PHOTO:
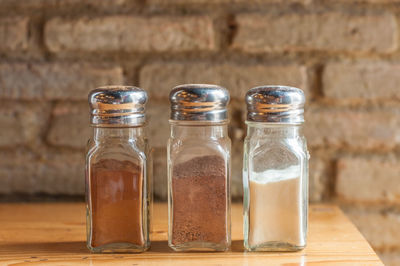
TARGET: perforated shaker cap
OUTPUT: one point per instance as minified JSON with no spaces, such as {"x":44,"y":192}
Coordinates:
{"x":199,"y":102}
{"x":117,"y":106}
{"x":275,"y":104}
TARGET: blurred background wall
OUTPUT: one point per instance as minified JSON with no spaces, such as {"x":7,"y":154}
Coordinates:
{"x":345,"y":55}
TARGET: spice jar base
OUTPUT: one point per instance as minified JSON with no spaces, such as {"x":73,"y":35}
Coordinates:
{"x":200,"y":246}
{"x":274,"y":246}
{"x":118,"y":248}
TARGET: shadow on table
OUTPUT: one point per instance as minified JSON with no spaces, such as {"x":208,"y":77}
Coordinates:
{"x":162,"y":247}
{"x":79,"y":247}
{"x":76,"y":247}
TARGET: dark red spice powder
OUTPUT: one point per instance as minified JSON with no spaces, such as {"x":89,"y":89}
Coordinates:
{"x":199,"y":201}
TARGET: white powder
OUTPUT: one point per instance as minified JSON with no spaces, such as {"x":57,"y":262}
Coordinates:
{"x":275,"y":207}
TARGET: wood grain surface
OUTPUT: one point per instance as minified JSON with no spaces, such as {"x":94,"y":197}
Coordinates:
{"x":55,"y":234}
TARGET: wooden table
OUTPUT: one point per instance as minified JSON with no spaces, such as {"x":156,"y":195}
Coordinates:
{"x":54,"y":234}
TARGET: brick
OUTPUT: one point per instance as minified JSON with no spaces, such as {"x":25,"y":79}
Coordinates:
{"x":236,"y":170}
{"x":247,"y":2}
{"x":390,"y":258}
{"x":22,"y":123}
{"x":236,"y":132}
{"x":102,"y":5}
{"x":160,"y":173}
{"x":328,"y":31}
{"x":361,"y":80}
{"x":53,"y":172}
{"x":367,"y":1}
{"x":61,"y":173}
{"x":70,"y":125}
{"x":54,"y":81}
{"x":160,"y":78}
{"x":14,"y":34}
{"x":46,"y":4}
{"x":16,"y":170}
{"x":158,"y":126}
{"x":380,"y":228}
{"x":127,"y":34}
{"x":369,"y":179}
{"x":318,"y":179}
{"x":354,"y":129}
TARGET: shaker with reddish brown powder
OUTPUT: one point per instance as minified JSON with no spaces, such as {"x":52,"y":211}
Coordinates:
{"x":116,"y":199}
{"x":199,"y":196}
{"x":118,"y":172}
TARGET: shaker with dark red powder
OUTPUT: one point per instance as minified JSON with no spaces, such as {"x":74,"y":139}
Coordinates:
{"x":199,"y":169}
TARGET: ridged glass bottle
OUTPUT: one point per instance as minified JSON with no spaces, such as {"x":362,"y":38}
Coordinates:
{"x":199,"y":169}
{"x":118,"y":172}
{"x":275,"y":170}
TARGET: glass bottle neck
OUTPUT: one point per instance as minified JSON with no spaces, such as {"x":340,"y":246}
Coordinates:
{"x":206,"y":131}
{"x":122,"y":133}
{"x":274,"y":130}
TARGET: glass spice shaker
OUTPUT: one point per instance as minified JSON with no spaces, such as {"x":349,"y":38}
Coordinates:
{"x":199,"y":169}
{"x":118,"y":171}
{"x":275,"y":170}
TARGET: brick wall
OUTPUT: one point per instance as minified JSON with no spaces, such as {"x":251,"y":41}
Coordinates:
{"x":345,"y":55}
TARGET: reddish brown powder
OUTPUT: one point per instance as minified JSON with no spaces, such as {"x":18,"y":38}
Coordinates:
{"x":199,"y":201}
{"x":116,"y":193}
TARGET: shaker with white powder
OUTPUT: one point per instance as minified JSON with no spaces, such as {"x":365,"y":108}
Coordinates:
{"x":275,"y":172}
{"x":275,"y":203}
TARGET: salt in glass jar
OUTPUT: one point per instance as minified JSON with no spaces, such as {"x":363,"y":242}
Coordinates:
{"x":275,"y":170}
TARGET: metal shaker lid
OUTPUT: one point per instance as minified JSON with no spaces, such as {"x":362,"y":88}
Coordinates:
{"x":276,"y":104}
{"x":199,"y":102}
{"x":117,"y":106}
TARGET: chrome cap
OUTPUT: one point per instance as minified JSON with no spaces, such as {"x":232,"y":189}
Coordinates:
{"x":117,"y":106}
{"x":199,"y":102}
{"x":276,"y":104}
